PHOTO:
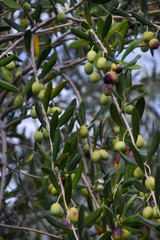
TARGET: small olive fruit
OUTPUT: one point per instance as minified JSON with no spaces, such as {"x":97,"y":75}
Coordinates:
{"x":38,"y":136}
{"x":104,"y":99}
{"x":18,"y":101}
{"x":117,"y":233}
{"x":140,"y":141}
{"x":116,"y":68}
{"x":33,"y":113}
{"x":26,"y":6}
{"x":91,"y":56}
{"x":36,"y":88}
{"x":61,"y":17}
{"x":120,"y":145}
{"x":144,"y":46}
{"x":116,"y":129}
{"x":24,"y":23}
{"x":147,"y":212}
{"x":96,"y":156}
{"x":41,"y":94}
{"x":10,"y":66}
{"x":88,"y":68}
{"x":58,"y":109}
{"x":138,"y":173}
{"x":50,"y":187}
{"x":84,"y":192}
{"x":126,"y":234}
{"x":155,"y":212}
{"x":110,"y":77}
{"x":101,"y":63}
{"x":45,"y":133}
{"x":57,"y":210}
{"x":104,"y":154}
{"x":128,"y":109}
{"x":147,"y":36}
{"x":114,"y":140}
{"x":42,"y":86}
{"x":150,"y":183}
{"x":95,"y":77}
{"x":83,"y":131}
{"x":73,"y":214}
{"x":154,"y":43}
{"x":54,"y":191}
{"x":107,"y":89}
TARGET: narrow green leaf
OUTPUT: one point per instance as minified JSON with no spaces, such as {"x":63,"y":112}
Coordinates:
{"x":101,"y":1}
{"x":87,"y":15}
{"x":47,"y":95}
{"x":129,"y":205}
{"x":52,"y":177}
{"x":132,"y":62}
{"x":110,"y":58}
{"x":143,"y":20}
{"x":90,"y":219}
{"x":120,"y":87}
{"x":123,"y":32}
{"x":43,"y":55}
{"x":79,"y":43}
{"x":6,"y":60}
{"x":27,"y":40}
{"x":121,"y":41}
{"x":120,"y":12}
{"x":44,"y":179}
{"x":48,"y":65}
{"x":102,"y":109}
{"x":53,"y":125}
{"x":150,"y":223}
{"x":40,"y":114}
{"x":106,"y":235}
{"x":133,"y":220}
{"x":100,"y":24}
{"x":58,"y":89}
{"x":8,"y":86}
{"x":12,"y":4}
{"x":54,"y":222}
{"x":6,"y":73}
{"x":77,"y":175}
{"x":73,"y":143}
{"x":135,"y":43}
{"x":81,"y":221}
{"x":28,"y":85}
{"x":127,"y":159}
{"x":140,"y":106}
{"x":68,"y":189}
{"x":82,"y":112}
{"x":135,"y":123}
{"x":154,"y":145}
{"x":138,"y":97}
{"x":157,"y":188}
{"x":66,"y":116}
{"x":43,"y":152}
{"x":37,"y":12}
{"x":80,"y":33}
{"x":137,"y":156}
{"x":14,"y":25}
{"x":116,"y":116}
{"x":4,"y":28}
{"x":106,"y":26}
{"x":75,"y":160}
{"x":56,"y":144}
{"x":144,"y":6}
{"x":117,"y":28}
{"x":61,"y":158}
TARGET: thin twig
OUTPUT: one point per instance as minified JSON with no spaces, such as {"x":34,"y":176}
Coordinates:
{"x":31,"y":230}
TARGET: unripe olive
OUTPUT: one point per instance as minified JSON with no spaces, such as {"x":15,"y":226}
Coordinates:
{"x":50,"y":187}
{"x":61,"y":17}
{"x":58,"y":109}
{"x":42,"y":86}
{"x":117,"y":233}
{"x":128,"y":109}
{"x":120,"y":145}
{"x":86,"y":148}
{"x":24,"y":23}
{"x":96,"y":156}
{"x":150,"y":183}
{"x":140,"y":141}
{"x":54,"y":191}
{"x":147,"y":212}
{"x":18,"y":101}
{"x":33,"y":113}
{"x":36,"y":88}
{"x":147,"y":36}
{"x":84,"y":192}
{"x":95,"y":77}
{"x":99,"y":188}
{"x":116,"y":68}
{"x":49,"y":111}
{"x":101,"y":63}
{"x":116,"y":129}
{"x":83,"y":131}
{"x":114,"y":140}
{"x":104,"y":154}
{"x":144,"y":46}
{"x":138,"y":173}
{"x":41,"y":94}
{"x":155,"y":212}
{"x":73,"y":215}
{"x":126,"y":234}
{"x":88,"y":68}
{"x":57,"y":210}
{"x":10,"y":66}
{"x":110,"y":77}
{"x":91,"y":56}
{"x":104,"y":99}
{"x":38,"y":136}
{"x":154,"y":43}
{"x":45,"y":133}
{"x":26,"y":6}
